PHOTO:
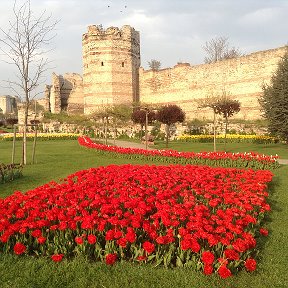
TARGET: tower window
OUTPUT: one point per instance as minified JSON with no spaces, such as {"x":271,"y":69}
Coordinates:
{"x":122,"y":64}
{"x":102,"y":63}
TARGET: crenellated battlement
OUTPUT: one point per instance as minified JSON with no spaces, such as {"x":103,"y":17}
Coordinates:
{"x":97,"y":32}
{"x":111,"y":61}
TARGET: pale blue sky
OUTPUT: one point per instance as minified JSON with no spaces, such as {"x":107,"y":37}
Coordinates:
{"x":170,"y":31}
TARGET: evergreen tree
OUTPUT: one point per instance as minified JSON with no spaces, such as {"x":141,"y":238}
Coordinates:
{"x":274,"y":101}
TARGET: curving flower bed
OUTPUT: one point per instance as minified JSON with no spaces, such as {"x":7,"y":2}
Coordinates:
{"x":223,"y":159}
{"x":200,"y":217}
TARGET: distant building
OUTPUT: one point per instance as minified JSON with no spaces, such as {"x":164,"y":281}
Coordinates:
{"x":8,"y":104}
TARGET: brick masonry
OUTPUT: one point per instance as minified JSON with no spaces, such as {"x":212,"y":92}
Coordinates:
{"x":112,"y":75}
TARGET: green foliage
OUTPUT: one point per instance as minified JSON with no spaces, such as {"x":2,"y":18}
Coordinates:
{"x":65,"y":118}
{"x":10,"y":172}
{"x":156,"y":131}
{"x":195,"y":126}
{"x":224,"y":106}
{"x":125,"y":137}
{"x":121,"y":112}
{"x":11,"y":121}
{"x":274,"y":101}
{"x":170,"y":114}
{"x":139,"y":116}
{"x":227,"y":107}
{"x":35,"y":106}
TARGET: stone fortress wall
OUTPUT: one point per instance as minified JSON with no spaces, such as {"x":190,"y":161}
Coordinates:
{"x":65,"y":94}
{"x":111,"y":61}
{"x":187,"y":86}
{"x":112,"y":75}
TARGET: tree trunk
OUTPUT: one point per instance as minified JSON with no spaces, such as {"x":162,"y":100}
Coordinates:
{"x":103,"y":131}
{"x":24,"y":147}
{"x":106,"y":128}
{"x":115,"y":133}
{"x":167,"y":134}
{"x":141,"y":132}
{"x":225,"y":137}
{"x":13,"y":148}
{"x":214,"y":131}
{"x":34,"y":145}
{"x":146,"y":131}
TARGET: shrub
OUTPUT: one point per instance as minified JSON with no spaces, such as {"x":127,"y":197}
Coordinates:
{"x":10,"y":172}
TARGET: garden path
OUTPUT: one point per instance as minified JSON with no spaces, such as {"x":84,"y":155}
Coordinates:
{"x":128,"y":144}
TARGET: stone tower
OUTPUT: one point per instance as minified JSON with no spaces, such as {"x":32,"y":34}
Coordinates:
{"x":111,"y":61}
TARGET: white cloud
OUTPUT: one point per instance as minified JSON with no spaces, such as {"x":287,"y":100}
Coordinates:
{"x":170,"y":30}
{"x":263,"y":16}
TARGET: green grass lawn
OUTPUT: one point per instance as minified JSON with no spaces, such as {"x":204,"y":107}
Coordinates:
{"x":57,"y":159}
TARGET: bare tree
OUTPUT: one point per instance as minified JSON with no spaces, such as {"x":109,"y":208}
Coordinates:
{"x":154,"y":65}
{"x":23,"y":44}
{"x":218,"y":49}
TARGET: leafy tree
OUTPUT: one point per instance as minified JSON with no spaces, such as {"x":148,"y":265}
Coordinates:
{"x":195,"y":126}
{"x":227,"y":108}
{"x":211,"y":102}
{"x":139,"y":117}
{"x":218,"y":49}
{"x":274,"y":100}
{"x":11,"y":121}
{"x":154,"y":65}
{"x":120,"y":114}
{"x":102,"y":114}
{"x":34,"y":121}
{"x":224,"y":106}
{"x":117,"y":114}
{"x":168,"y":115}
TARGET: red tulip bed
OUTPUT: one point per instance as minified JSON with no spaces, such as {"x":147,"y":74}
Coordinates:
{"x":222,"y":159}
{"x":205,"y":218}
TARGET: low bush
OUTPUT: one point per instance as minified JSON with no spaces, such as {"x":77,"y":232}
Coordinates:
{"x":9,"y":172}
